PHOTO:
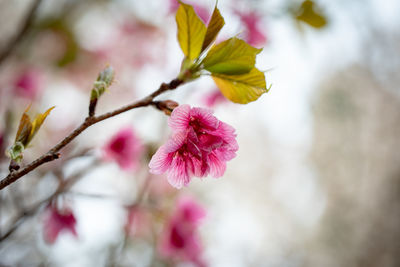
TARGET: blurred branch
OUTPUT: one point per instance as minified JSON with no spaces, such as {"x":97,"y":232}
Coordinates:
{"x":53,"y":153}
{"x":63,"y":186}
{"x":9,"y":48}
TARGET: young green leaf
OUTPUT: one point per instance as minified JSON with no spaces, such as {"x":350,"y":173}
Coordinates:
{"x":232,"y":57}
{"x":242,"y":88}
{"x":309,"y":15}
{"x":37,"y":122}
{"x":24,"y":129}
{"x":214,"y":26}
{"x":104,"y":80}
{"x":191,"y":31}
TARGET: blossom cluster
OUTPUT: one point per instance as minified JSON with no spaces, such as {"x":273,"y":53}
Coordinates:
{"x":200,"y":146}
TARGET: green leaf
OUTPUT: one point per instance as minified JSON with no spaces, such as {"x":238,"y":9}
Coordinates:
{"x":37,"y":122}
{"x":214,"y":26}
{"x":27,"y":129}
{"x":242,"y":88}
{"x":309,"y":15}
{"x":24,"y":129}
{"x":233,"y":56}
{"x":191,"y":31}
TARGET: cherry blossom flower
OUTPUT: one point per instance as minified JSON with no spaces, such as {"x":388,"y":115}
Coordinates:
{"x":28,"y":83}
{"x":125,"y":148}
{"x":57,"y":221}
{"x":180,"y":239}
{"x":200,"y":145}
{"x":251,"y":20}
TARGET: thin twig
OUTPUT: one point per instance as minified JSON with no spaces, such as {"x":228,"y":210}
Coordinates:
{"x":9,"y":48}
{"x":62,"y":188}
{"x":53,"y":153}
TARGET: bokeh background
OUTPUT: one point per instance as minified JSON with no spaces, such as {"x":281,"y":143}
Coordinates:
{"x":316,"y":181}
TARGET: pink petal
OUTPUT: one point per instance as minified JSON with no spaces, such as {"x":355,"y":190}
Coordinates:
{"x":251,"y":21}
{"x":205,"y":118}
{"x":180,"y":239}
{"x":178,"y":173}
{"x":213,"y":98}
{"x":210,"y":142}
{"x":57,"y":221}
{"x":160,"y":162}
{"x":180,"y":117}
{"x":175,"y":142}
{"x":217,"y":166}
{"x":191,"y":211}
{"x":28,"y":84}
{"x":225,"y":153}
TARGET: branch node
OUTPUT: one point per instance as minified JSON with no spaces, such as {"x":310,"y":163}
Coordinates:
{"x":14,"y":166}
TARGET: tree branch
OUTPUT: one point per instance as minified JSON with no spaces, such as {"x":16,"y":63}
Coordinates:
{"x":53,"y":153}
{"x":62,"y":188}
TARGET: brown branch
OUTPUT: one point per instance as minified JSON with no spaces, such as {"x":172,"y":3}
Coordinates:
{"x":9,"y":48}
{"x":53,"y":153}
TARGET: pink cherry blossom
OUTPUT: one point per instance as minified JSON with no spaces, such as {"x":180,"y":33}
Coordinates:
{"x":200,"y":145}
{"x":138,"y":222}
{"x":57,"y":221}
{"x":28,"y":83}
{"x":201,"y":11}
{"x":125,"y":148}
{"x":214,"y":98}
{"x":180,"y":239}
{"x":254,"y":34}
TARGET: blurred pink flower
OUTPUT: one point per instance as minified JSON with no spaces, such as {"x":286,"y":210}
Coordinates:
{"x":201,"y":11}
{"x":213,"y":98}
{"x":28,"y":83}
{"x":125,"y":148}
{"x":200,"y":145}
{"x":133,"y":43}
{"x":138,"y":222}
{"x":56,"y":221}
{"x":180,"y":239}
{"x":251,"y":20}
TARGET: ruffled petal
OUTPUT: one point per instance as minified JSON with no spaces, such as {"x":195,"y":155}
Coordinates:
{"x":175,"y":142}
{"x":180,"y":117}
{"x":205,"y":118}
{"x":217,"y":166}
{"x":178,"y":173}
{"x":160,"y":162}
